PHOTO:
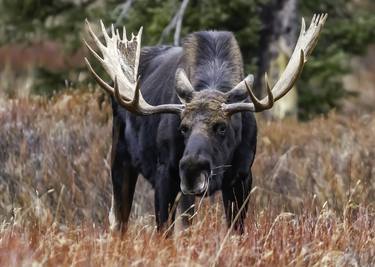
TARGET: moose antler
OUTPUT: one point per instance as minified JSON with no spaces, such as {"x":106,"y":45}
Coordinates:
{"x":305,"y":44}
{"x":121,"y":61}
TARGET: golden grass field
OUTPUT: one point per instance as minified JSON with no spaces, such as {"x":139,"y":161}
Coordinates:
{"x":312,"y":203}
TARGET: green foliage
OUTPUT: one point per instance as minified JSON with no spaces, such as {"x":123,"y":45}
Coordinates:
{"x":348,"y":31}
{"x":48,"y":82}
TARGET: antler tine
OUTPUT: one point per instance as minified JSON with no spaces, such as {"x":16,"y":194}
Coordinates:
{"x":257,"y":103}
{"x":303,"y":27}
{"x":96,"y":39}
{"x":124,"y":38}
{"x":93,"y":51}
{"x":104,"y":32}
{"x":113,"y":31}
{"x":317,"y":19}
{"x":305,"y":44}
{"x":271,"y":99}
{"x":138,"y":38}
{"x":99,"y":80}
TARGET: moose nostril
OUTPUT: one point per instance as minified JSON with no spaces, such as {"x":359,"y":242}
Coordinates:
{"x":204,"y":164}
{"x":194,"y":163}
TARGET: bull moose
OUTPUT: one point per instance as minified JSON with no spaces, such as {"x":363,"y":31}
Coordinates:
{"x":207,"y":140}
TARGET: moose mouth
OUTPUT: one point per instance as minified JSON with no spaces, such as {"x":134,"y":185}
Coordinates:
{"x":199,"y":187}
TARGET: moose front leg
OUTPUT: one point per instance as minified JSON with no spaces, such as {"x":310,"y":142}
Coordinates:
{"x":166,"y":190}
{"x":234,"y":200}
{"x":124,"y":179}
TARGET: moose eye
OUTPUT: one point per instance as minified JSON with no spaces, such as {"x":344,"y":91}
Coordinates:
{"x":220,"y":128}
{"x":184,"y":129}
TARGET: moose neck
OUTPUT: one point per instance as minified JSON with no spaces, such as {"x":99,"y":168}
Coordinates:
{"x":212,"y":60}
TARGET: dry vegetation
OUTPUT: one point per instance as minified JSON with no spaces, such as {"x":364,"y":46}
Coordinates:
{"x":313,"y":202}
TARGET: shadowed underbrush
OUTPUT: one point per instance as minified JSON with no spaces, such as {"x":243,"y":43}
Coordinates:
{"x":312,"y":203}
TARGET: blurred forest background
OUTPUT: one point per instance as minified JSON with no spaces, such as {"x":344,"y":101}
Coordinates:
{"x":313,"y":196}
{"x":41,"y":49}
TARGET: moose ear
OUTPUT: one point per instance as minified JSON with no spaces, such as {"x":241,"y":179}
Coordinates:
{"x":239,"y":92}
{"x":184,"y":89}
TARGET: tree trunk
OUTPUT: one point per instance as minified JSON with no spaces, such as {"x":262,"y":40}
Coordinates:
{"x":278,"y":37}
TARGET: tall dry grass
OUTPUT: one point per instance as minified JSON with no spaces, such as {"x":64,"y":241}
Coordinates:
{"x":312,"y":203}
